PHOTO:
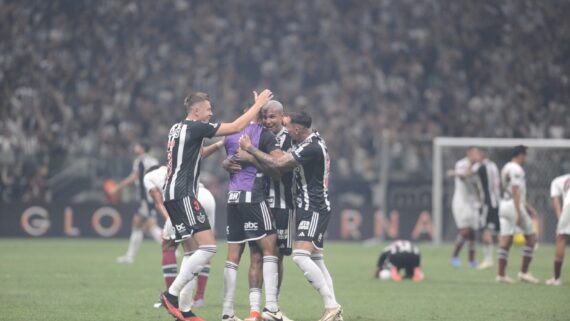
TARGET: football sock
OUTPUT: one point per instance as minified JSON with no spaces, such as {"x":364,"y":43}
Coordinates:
{"x":185,"y":301}
{"x":320,"y":262}
{"x":270,"y":279}
{"x":191,"y":266}
{"x":557,"y":269}
{"x":156,"y":233}
{"x":230,"y":277}
{"x":471,"y":247}
{"x":169,"y":268}
{"x":503,"y":255}
{"x":135,"y":242}
{"x":527,"y":258}
{"x":255,"y":299}
{"x":202,"y":281}
{"x":488,"y":252}
{"x":315,"y":276}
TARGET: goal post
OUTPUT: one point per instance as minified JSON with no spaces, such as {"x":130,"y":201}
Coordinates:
{"x":447,"y":150}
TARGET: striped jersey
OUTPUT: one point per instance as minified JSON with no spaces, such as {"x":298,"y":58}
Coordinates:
{"x":312,"y":175}
{"x":184,"y":149}
{"x":141,"y":164}
{"x":490,"y":179}
{"x":280,"y":193}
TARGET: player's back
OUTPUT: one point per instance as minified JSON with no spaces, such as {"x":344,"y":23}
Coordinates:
{"x":512,"y":174}
{"x":560,"y":187}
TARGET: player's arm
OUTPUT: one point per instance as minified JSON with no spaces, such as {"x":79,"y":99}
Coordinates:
{"x":284,"y":163}
{"x":245,"y":157}
{"x":212,"y":148}
{"x":557,"y":206}
{"x":515,"y":190}
{"x":242,"y":121}
{"x":125,"y":182}
{"x":158,"y":201}
{"x":231,"y":166}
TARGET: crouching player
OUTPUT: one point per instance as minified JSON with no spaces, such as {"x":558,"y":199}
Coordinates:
{"x":399,"y":255}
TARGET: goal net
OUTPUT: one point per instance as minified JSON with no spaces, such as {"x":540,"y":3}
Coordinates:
{"x":547,"y":159}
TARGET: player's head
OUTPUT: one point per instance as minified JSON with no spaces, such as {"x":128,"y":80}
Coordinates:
{"x":198,"y":106}
{"x":519,"y":154}
{"x":140,"y":148}
{"x":473,"y":154}
{"x":273,"y":116}
{"x":298,"y":125}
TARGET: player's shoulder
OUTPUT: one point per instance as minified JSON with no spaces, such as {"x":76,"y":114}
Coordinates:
{"x":560,"y":180}
{"x":463,"y":161}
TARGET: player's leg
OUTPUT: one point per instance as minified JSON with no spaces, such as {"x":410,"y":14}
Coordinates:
{"x":185,"y":302}
{"x":285,"y":225}
{"x":255,"y":277}
{"x":462,"y":236}
{"x":152,"y":227}
{"x":472,"y":245}
{"x":236,"y":243}
{"x":528,"y":249}
{"x":209,"y":203}
{"x":169,"y":267}
{"x":507,"y":223}
{"x":311,"y":227}
{"x":135,"y":240}
{"x":558,"y":259}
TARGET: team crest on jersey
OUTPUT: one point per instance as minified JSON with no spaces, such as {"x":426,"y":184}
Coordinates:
{"x":201,"y":218}
{"x":175,"y":131}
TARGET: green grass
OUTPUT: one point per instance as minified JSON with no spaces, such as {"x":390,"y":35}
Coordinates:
{"x":79,"y":280}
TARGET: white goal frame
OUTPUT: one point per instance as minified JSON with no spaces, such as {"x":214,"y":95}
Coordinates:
{"x":437,"y":180}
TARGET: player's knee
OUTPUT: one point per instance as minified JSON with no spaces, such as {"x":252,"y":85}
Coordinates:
{"x":300,"y":256}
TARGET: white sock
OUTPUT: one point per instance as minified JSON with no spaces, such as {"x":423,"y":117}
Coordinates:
{"x":271,"y":279}
{"x":320,"y":262}
{"x":315,"y":276}
{"x":191,"y":267}
{"x":186,"y":300}
{"x":156,"y":233}
{"x":488,"y":252}
{"x":255,"y":299}
{"x":230,"y":278}
{"x":135,"y":243}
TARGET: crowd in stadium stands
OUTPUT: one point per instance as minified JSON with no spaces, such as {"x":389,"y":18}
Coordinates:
{"x":83,"y":80}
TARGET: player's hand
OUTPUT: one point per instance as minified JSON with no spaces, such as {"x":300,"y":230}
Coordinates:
{"x":113,"y":190}
{"x":243,"y":157}
{"x":262,"y":99}
{"x":244,"y":142}
{"x":231,"y":166}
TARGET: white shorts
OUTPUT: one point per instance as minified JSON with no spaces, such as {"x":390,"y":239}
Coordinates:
{"x":564,"y":221}
{"x":465,"y":216}
{"x":507,"y":217}
{"x":208,"y":203}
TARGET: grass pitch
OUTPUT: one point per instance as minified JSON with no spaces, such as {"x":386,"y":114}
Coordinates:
{"x":56,"y":279}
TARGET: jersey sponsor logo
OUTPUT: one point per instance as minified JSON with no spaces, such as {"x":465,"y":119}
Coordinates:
{"x":180,"y":227}
{"x":233,"y":197}
{"x":304,"y":225}
{"x":250,"y":226}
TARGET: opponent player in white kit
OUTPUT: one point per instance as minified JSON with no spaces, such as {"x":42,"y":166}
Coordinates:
{"x":560,"y":188}
{"x":514,"y":212}
{"x":465,"y":205}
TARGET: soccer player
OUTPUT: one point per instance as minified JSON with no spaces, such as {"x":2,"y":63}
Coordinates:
{"x":188,"y":217}
{"x":514,"y":212}
{"x":560,"y":188}
{"x":464,"y":206}
{"x":145,"y":217}
{"x":397,"y":256}
{"x":310,"y":162}
{"x":250,"y":221}
{"x":490,"y":179}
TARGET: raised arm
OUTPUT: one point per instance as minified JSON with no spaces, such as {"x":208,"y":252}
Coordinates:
{"x":242,"y":121}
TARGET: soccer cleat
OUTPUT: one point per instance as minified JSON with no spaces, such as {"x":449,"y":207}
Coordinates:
{"x":253,"y":316}
{"x":170,"y":302}
{"x":267,"y":315}
{"x":190,"y":316}
{"x":157,"y":305}
{"x":554,"y":282}
{"x":504,"y":279}
{"x":125,"y":259}
{"x":473,"y":264}
{"x":230,"y":318}
{"x":485,"y":265}
{"x":418,"y":274}
{"x":395,"y":274}
{"x":198,"y":303}
{"x":331,"y":314}
{"x":527,"y":278}
{"x":455,"y":262}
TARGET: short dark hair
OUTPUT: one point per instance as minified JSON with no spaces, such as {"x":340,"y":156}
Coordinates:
{"x":519,"y":150}
{"x":301,"y":118}
{"x":195,"y":98}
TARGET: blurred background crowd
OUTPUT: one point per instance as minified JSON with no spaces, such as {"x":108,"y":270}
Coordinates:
{"x":81,"y":81}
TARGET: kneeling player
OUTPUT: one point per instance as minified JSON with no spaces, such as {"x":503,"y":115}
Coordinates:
{"x":400,"y":255}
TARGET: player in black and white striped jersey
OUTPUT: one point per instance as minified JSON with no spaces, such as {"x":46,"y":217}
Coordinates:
{"x":145,"y":217}
{"x":185,"y":142}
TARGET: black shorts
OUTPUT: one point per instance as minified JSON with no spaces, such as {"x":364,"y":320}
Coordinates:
{"x":406,"y":261}
{"x":248,"y":222}
{"x":146,"y":209}
{"x":492,"y":219}
{"x":187,"y":216}
{"x":285,"y":225}
{"x":311,"y":226}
